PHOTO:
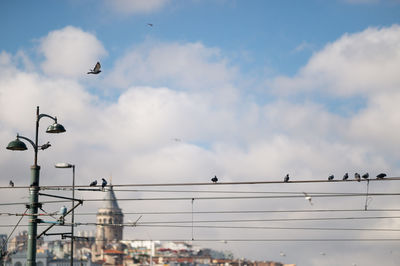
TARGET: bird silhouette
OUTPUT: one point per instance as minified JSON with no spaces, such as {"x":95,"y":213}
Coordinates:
{"x":331,"y":177}
{"x":346,"y":176}
{"x":365,"y":176}
{"x":104,"y":183}
{"x":63,"y":210}
{"x":357,"y":177}
{"x":93,"y":184}
{"x":286,"y":179}
{"x":214,"y":179}
{"x":308,"y":197}
{"x":381,"y":176}
{"x":150,"y":24}
{"x":96,"y":69}
{"x":11,"y":183}
{"x":45,"y":146}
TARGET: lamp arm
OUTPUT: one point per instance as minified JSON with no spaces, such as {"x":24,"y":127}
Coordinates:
{"x":25,"y":138}
{"x":49,"y":116}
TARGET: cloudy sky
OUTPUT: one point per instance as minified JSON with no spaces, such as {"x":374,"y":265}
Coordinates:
{"x":245,"y":90}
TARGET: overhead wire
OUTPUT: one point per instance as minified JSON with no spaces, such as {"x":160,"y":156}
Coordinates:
{"x":213,"y":184}
{"x":218,"y":212}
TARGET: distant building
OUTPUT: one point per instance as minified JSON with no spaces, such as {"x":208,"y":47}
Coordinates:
{"x":109,"y":230}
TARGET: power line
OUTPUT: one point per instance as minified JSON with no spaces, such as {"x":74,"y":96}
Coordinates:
{"x":221,"y":198}
{"x":226,"y":221}
{"x":276,"y":228}
{"x":219,"y":212}
{"x":214,"y":184}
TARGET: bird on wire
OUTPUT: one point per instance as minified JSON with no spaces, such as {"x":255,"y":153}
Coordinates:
{"x":346,"y":176}
{"x":96,"y":69}
{"x":214,"y":179}
{"x":286,"y":179}
{"x":45,"y":146}
{"x":103,"y":183}
{"x":63,"y":210}
{"x":381,"y":176}
{"x":331,"y":177}
{"x":93,"y":184}
{"x":365,"y":176}
{"x":11,"y":183}
{"x":357,"y":177}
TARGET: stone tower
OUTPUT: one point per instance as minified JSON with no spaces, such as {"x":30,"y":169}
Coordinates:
{"x":109,"y":220}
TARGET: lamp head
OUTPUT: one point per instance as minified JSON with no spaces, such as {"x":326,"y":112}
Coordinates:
{"x":55,"y":128}
{"x":16,"y":145}
{"x":63,"y":165}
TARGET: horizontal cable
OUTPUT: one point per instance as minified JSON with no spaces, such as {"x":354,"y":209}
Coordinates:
{"x":218,"y":212}
{"x":275,"y":228}
{"x":215,"y":184}
{"x":242,"y":220}
{"x":222,"y":198}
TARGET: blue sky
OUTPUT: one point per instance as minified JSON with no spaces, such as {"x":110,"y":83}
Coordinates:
{"x":251,"y":89}
{"x":278,"y":34}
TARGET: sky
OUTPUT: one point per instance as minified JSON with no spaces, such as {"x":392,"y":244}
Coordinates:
{"x":245,"y":90}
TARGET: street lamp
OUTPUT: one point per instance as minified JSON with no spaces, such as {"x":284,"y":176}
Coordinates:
{"x":18,"y":145}
{"x":67,"y":165}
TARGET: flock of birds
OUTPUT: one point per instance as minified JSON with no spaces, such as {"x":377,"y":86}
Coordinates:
{"x":103,"y":183}
{"x":357,"y":177}
{"x":286,"y":179}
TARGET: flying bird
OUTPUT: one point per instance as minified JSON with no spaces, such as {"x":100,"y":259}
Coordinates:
{"x":93,"y":184}
{"x":63,"y":210}
{"x":357,"y":177}
{"x":11,"y":183}
{"x":381,"y":176}
{"x":45,"y":146}
{"x":365,"y":176}
{"x":286,"y":179}
{"x":214,"y":179}
{"x":331,"y":177}
{"x":150,"y":24}
{"x":96,"y":69}
{"x":308,"y":197}
{"x":346,"y":176}
{"x":104,"y":183}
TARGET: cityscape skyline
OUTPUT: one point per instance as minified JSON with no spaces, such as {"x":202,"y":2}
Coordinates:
{"x":245,"y":91}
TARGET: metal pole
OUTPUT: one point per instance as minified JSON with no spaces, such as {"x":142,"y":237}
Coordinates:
{"x":33,"y":209}
{"x":73,"y":216}
{"x":33,"y":201}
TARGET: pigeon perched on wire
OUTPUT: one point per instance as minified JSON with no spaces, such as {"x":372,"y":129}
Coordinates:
{"x":365,"y":176}
{"x":346,"y":176}
{"x":331,"y":177}
{"x":93,"y":184}
{"x":63,"y":210}
{"x":357,"y":177}
{"x":286,"y":179}
{"x":45,"y":146}
{"x":96,"y":69}
{"x":214,"y":179}
{"x":381,"y":176}
{"x":103,"y":183}
{"x":11,"y":183}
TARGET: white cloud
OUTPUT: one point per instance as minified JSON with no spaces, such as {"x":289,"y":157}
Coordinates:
{"x":136,"y":6}
{"x":70,"y":52}
{"x":183,"y":66}
{"x":360,"y":63}
{"x":239,"y":139}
